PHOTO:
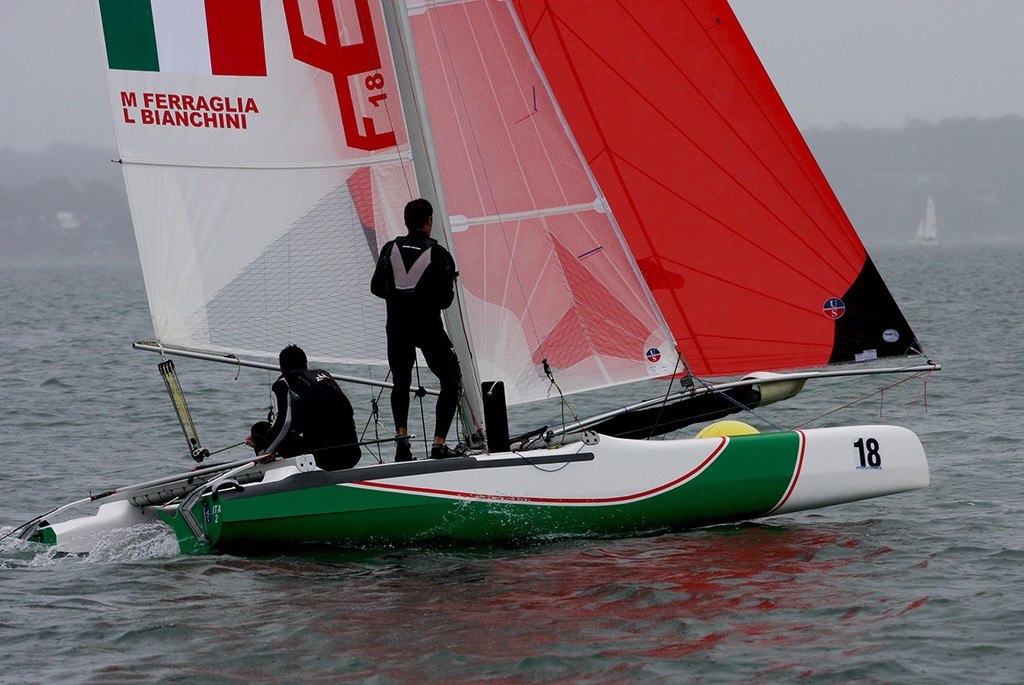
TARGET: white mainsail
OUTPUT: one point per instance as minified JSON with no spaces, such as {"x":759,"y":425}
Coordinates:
{"x":261,"y":231}
{"x":255,"y":235}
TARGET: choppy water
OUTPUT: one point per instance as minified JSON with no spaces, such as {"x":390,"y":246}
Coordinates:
{"x":923,"y":587}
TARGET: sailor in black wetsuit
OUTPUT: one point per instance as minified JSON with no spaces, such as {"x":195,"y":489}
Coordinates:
{"x":416,"y":276}
{"x":313,"y":416}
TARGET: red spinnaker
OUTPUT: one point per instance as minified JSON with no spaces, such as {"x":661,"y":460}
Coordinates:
{"x":733,"y":223}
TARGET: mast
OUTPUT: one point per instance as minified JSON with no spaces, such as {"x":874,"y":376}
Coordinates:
{"x":428,"y":180}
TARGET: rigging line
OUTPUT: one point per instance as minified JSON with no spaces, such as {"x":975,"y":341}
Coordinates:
{"x":264,"y":280}
{"x":544,"y":470}
{"x":357,"y":443}
{"x":461,"y":436}
{"x":668,"y":392}
{"x":486,"y":176}
{"x":364,"y":313}
{"x":859,"y":400}
{"x":565,"y":403}
{"x":374,"y":417}
{"x":420,"y":394}
{"x":225,"y":449}
{"x":742,"y":406}
{"x":403,"y":159}
{"x":922,"y":393}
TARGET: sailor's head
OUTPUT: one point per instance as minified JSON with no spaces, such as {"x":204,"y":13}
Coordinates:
{"x":419,"y":216}
{"x":292,"y":358}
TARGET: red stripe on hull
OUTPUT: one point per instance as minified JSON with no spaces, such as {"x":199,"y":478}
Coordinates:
{"x":553,"y":500}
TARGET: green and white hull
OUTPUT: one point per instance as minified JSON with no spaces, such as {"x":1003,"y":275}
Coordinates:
{"x":608,"y":487}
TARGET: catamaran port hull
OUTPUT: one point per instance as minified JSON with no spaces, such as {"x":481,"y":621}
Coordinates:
{"x":611,"y":487}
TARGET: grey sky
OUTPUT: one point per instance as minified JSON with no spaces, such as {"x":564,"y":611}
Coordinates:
{"x":859,"y":62}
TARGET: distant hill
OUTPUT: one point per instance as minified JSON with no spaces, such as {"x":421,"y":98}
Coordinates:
{"x":69,"y":201}
{"x":78,"y":163}
{"x":974,"y":168}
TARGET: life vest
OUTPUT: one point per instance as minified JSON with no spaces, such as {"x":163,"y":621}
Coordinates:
{"x":406,"y":280}
{"x":318,"y":401}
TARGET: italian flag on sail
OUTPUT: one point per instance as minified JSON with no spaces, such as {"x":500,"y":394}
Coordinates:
{"x":218,"y":37}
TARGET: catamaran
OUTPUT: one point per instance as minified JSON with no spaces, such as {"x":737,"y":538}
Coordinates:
{"x":626,"y":197}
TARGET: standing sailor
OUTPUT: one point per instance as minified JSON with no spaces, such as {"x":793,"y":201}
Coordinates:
{"x":416,"y":277}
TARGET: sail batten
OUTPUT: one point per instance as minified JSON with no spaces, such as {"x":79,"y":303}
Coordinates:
{"x":336,"y":164}
{"x":459,"y":222}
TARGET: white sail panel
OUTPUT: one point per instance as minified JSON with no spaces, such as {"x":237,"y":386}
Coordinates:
{"x":181,"y":35}
{"x":572,"y":306}
{"x":260,"y":202}
{"x":538,"y":254}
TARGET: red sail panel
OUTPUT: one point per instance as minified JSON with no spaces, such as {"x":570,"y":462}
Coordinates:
{"x":546,"y":275}
{"x":734,"y":226}
{"x":613,"y":330}
{"x":236,"y":37}
{"x":501,"y":147}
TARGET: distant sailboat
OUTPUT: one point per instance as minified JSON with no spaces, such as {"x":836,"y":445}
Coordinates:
{"x":927,"y":229}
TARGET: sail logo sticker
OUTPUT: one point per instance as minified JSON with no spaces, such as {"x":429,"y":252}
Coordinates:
{"x":203,"y":37}
{"x":890,"y":335}
{"x":834,"y":308}
{"x":194,"y":111}
{"x":343,"y":62}
{"x":653,"y":355}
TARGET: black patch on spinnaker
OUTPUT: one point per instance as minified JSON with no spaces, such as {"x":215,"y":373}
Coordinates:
{"x":872,"y":321}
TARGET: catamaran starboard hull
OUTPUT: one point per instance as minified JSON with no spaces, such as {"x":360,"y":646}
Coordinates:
{"x":612,"y":487}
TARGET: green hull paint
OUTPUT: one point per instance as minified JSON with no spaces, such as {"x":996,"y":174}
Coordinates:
{"x":746,"y":481}
{"x":44,"y":535}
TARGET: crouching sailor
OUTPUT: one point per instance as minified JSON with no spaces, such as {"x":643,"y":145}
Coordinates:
{"x":313,"y":417}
